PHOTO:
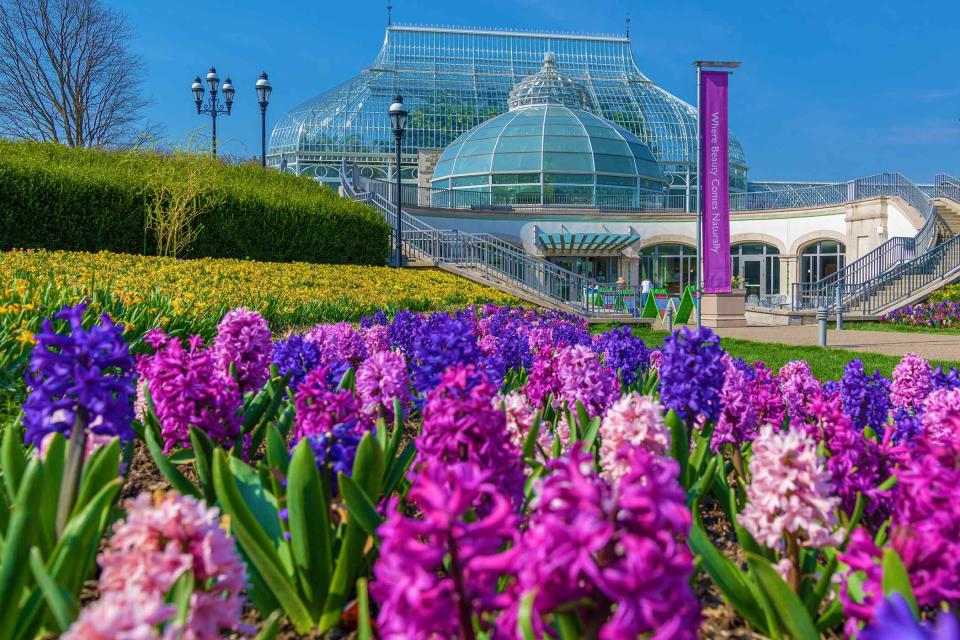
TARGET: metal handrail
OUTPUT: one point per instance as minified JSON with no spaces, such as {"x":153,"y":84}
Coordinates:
{"x":946,"y":186}
{"x":492,"y":257}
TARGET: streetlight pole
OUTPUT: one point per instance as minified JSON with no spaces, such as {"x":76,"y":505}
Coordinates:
{"x":398,"y":119}
{"x":263,"y":99}
{"x":213,"y":106}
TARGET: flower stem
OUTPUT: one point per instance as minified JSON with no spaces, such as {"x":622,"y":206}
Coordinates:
{"x":70,"y":484}
{"x":793,"y":553}
{"x":463,"y":602}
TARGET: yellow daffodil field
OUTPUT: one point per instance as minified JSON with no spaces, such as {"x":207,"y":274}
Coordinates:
{"x":190,"y":296}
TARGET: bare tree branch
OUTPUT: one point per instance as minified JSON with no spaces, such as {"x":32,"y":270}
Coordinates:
{"x":68,"y":73}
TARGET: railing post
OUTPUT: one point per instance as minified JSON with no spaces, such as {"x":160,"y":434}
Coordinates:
{"x":839,"y":308}
{"x":669,"y":314}
{"x":822,"y":326}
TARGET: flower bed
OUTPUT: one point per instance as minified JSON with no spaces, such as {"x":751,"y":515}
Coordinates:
{"x":489,"y":473}
{"x":944,"y":314}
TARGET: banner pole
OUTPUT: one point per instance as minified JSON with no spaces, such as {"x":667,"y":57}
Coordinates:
{"x":699,"y":196}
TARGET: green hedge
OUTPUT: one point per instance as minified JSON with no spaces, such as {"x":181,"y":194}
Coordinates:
{"x":55,"y":197}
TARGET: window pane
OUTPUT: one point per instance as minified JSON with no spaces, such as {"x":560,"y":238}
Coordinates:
{"x":568,"y":178}
{"x":469,"y":181}
{"x":516,"y":178}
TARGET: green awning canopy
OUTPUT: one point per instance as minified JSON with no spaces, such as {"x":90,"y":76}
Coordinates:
{"x":586,"y":242}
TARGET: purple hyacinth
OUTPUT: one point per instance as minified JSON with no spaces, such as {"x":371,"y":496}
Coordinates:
{"x":379,"y":318}
{"x":85,"y":371}
{"x":623,"y":352}
{"x":461,"y":423}
{"x":403,"y":331}
{"x":895,"y":621}
{"x":296,"y":356}
{"x":439,"y":570}
{"x":440,"y":342}
{"x":187,"y":390}
{"x":583,"y":378}
{"x":505,"y":334}
{"x":866,"y":399}
{"x":243,"y":340}
{"x":906,"y":427}
{"x":946,"y":379}
{"x":739,"y":417}
{"x":912,"y":382}
{"x":336,"y":449}
{"x":320,"y":409}
{"x":381,"y":378}
{"x":692,"y":373}
{"x":618,"y":546}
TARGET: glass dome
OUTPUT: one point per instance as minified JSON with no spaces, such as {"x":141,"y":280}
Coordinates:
{"x":549,"y":150}
{"x":453,"y":79}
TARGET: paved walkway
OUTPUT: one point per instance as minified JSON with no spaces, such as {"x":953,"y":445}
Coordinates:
{"x":932,"y":346}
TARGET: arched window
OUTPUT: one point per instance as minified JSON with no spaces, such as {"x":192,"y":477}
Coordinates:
{"x":670,"y":266}
{"x":821,"y":259}
{"x":759,"y":266}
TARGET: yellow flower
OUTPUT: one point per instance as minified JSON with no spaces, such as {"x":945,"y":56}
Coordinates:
{"x":26,"y":338}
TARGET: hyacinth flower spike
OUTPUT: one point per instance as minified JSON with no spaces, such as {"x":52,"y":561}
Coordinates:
{"x":79,"y":382}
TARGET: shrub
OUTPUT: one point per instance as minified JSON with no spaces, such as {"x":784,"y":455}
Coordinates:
{"x":54,"y":197}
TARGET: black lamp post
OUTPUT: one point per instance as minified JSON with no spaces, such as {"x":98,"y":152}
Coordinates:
{"x":398,"y":119}
{"x":213,"y":106}
{"x":263,"y":98}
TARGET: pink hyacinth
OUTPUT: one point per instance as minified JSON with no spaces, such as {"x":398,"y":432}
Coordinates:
{"x":519,"y":414}
{"x":164,"y":536}
{"x":583,"y":378}
{"x":656,"y":359}
{"x":187,"y":389}
{"x":243,"y":340}
{"x":940,"y":422}
{"x":912,"y":382}
{"x":790,"y":491}
{"x":130,"y":615}
{"x":635,"y":420}
{"x":380,"y":379}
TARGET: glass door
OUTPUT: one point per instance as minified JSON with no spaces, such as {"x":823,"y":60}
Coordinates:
{"x":753,"y":276}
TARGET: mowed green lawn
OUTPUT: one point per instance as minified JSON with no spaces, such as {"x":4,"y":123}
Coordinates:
{"x":826,"y":364}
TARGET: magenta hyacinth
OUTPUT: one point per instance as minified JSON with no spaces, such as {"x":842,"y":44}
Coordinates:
{"x":912,"y":382}
{"x":164,"y":536}
{"x":461,"y":424}
{"x":799,"y":387}
{"x":940,"y":421}
{"x":339,"y":341}
{"x":622,"y":546}
{"x":583,"y":378}
{"x":376,"y":338}
{"x":319,"y":408}
{"x":243,"y":340}
{"x":187,"y":390}
{"x":542,"y":379}
{"x":440,"y":568}
{"x":381,"y":378}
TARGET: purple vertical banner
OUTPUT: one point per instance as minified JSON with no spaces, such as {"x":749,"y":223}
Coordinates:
{"x":715,"y":181}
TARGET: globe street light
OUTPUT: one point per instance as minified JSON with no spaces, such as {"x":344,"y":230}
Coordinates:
{"x":398,"y":119}
{"x":263,"y":99}
{"x":213,"y":106}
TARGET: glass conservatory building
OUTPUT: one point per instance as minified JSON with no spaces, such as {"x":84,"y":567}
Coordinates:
{"x":548,"y":149}
{"x":453,"y":79}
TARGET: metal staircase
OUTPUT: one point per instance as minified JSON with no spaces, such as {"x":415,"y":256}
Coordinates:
{"x":901,"y":270}
{"x":480,"y":257}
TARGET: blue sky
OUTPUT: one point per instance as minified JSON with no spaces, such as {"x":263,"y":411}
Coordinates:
{"x":828,"y":90}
